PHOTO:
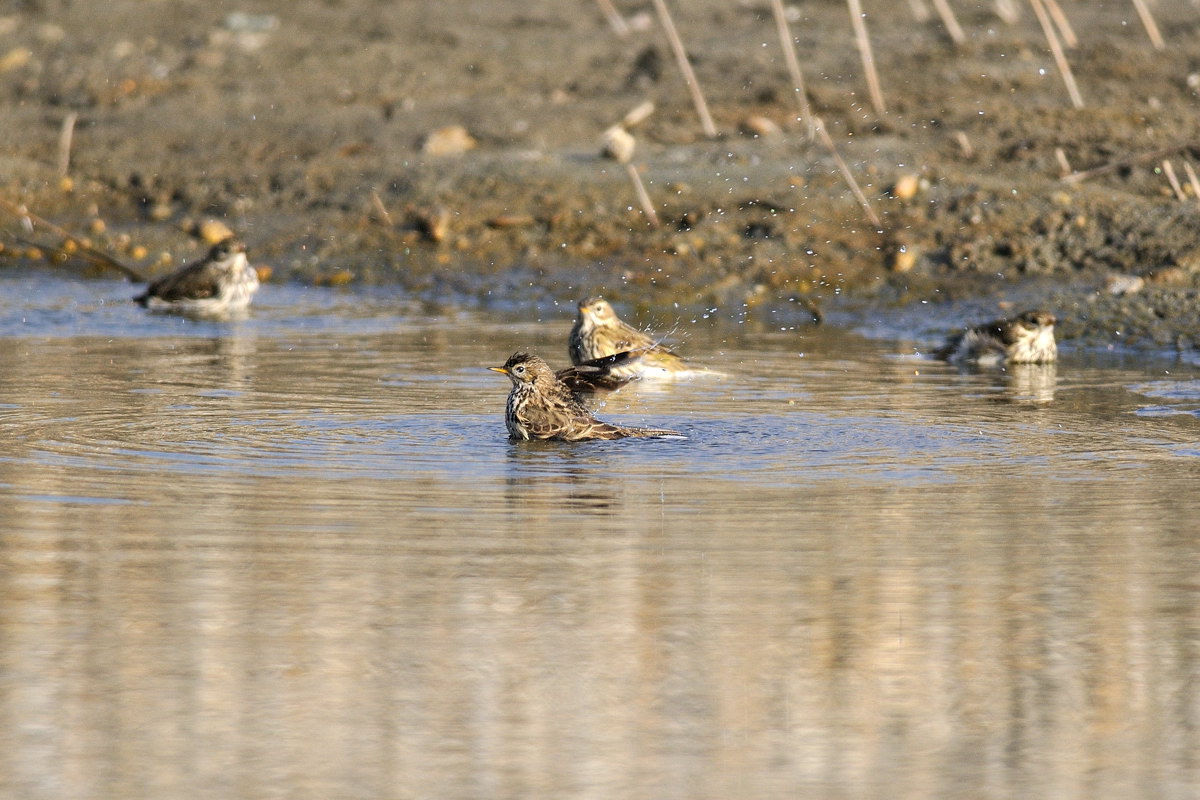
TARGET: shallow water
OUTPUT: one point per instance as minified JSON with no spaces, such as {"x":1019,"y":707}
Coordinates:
{"x":294,"y":556}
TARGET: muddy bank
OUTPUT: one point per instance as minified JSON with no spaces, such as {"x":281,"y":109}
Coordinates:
{"x":310,"y":129}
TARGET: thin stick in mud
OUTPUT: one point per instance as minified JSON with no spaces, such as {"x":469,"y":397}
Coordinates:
{"x":919,"y":11}
{"x":65,"y":137}
{"x":1064,"y":25}
{"x":858,"y":21}
{"x":615,"y":20}
{"x":1060,"y":60}
{"x":950,"y":21}
{"x":844,"y":168}
{"x":642,"y":195}
{"x":1173,"y":179}
{"x":1143,"y":12}
{"x":685,"y":66}
{"x":816,"y":128}
{"x":793,"y":66}
{"x":1192,"y":179}
{"x":1113,"y":166}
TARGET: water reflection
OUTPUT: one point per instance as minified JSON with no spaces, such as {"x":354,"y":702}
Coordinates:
{"x":1021,"y":384}
{"x":269,"y":559}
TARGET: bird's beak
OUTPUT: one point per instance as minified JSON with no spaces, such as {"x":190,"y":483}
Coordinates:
{"x":501,"y":370}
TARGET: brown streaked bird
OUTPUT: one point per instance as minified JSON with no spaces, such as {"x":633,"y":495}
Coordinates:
{"x":220,"y":283}
{"x":1027,"y":338}
{"x":599,"y":332}
{"x":540,"y":406}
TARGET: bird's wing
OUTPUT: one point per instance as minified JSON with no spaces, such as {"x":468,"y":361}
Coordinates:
{"x":625,"y":337}
{"x":550,"y":417}
{"x":560,"y":416}
{"x":618,"y":337}
{"x":194,"y":282}
{"x":1003,"y":330}
{"x":597,"y":375}
{"x":592,"y":428}
{"x":949,"y":348}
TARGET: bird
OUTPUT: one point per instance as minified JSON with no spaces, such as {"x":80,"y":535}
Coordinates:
{"x":598,"y":374}
{"x":599,"y":332}
{"x":542,"y":406}
{"x":222,"y":282}
{"x":1027,"y":338}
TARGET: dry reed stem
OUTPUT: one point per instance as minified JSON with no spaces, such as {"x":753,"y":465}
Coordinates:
{"x":65,"y":137}
{"x":950,"y":21}
{"x":689,"y":76}
{"x":793,"y":66}
{"x":637,"y":115}
{"x":919,"y":11}
{"x":615,"y":20}
{"x":1064,"y":25}
{"x":1149,"y":24}
{"x":868,"y":59}
{"x":642,"y":195}
{"x":1064,"y":166}
{"x":1173,"y":179}
{"x":1113,"y":166}
{"x":1192,"y":179}
{"x":1060,"y":60}
{"x":1008,"y":11}
{"x":844,"y":168}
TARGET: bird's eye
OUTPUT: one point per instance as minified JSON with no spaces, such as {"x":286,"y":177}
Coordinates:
{"x":519,"y":370}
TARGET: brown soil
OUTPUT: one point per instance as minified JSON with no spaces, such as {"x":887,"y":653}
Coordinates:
{"x":288,"y":118}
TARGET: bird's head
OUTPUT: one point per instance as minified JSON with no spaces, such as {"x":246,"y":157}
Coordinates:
{"x":524,"y":368}
{"x":597,"y":310}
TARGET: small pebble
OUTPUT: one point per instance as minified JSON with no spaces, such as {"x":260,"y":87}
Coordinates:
{"x":433,"y":223}
{"x":903,"y":260}
{"x":452,"y":140}
{"x":759,"y":127}
{"x":213,"y":231}
{"x":906,"y":187}
{"x":15,"y":59}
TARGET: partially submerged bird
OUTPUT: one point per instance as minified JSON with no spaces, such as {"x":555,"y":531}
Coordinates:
{"x":542,"y":406}
{"x":220,"y":283}
{"x":1027,"y":338}
{"x":599,"y":332}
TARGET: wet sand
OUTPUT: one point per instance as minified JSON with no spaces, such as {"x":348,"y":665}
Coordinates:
{"x":308,"y":128}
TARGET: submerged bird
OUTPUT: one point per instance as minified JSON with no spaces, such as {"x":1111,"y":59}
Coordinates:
{"x":599,"y":332}
{"x":221,"y":282}
{"x":541,"y":406}
{"x":1027,"y":338}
